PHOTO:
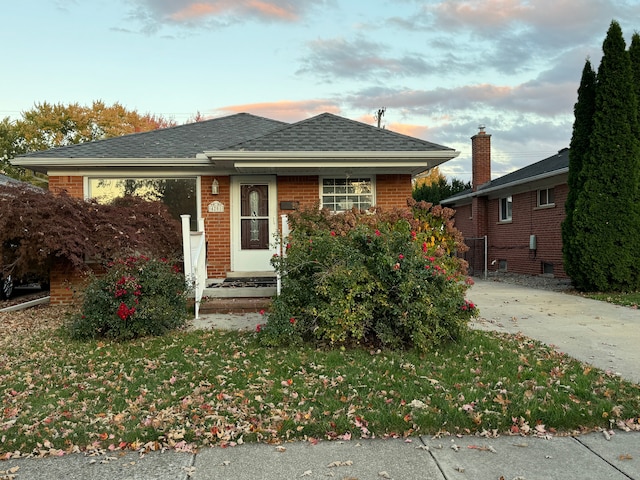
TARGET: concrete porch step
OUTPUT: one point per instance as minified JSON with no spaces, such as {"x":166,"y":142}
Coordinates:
{"x":235,"y":305}
{"x":239,"y":294}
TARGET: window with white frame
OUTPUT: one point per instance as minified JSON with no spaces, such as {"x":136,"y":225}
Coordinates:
{"x":178,"y":194}
{"x":506,"y":208}
{"x":342,"y":194}
{"x":546,"y":197}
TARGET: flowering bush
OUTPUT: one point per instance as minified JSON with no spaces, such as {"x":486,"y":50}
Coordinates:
{"x":138,"y":296}
{"x":388,"y":278}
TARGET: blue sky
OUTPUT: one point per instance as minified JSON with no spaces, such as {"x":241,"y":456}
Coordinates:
{"x":440,"y":67}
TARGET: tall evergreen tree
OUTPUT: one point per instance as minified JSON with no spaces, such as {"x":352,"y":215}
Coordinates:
{"x":606,"y":217}
{"x":583,"y":110}
{"x":634,"y":54}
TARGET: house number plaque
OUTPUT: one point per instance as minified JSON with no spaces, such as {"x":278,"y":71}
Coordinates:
{"x":216,"y":207}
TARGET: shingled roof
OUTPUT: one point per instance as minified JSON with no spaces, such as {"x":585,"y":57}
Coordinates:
{"x":555,"y":164}
{"x":183,"y":141}
{"x":327,"y":132}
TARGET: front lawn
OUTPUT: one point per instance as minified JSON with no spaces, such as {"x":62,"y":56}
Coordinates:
{"x":190,"y":389}
{"x":625,"y":299}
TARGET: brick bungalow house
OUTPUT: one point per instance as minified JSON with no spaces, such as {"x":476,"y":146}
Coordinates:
{"x":239,"y":173}
{"x":520,"y":214}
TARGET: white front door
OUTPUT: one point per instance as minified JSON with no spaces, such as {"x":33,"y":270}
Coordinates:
{"x":253,"y":223}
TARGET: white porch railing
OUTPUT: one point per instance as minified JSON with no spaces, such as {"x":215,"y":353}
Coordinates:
{"x":195,"y":258}
{"x":284,"y":219}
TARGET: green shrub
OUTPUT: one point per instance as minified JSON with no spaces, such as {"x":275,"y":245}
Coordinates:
{"x":388,"y":279}
{"x":136,"y":297}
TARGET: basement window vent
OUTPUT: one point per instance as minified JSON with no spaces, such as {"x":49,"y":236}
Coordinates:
{"x":502,"y":265}
{"x":547,"y":268}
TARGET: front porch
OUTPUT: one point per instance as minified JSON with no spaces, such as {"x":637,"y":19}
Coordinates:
{"x":240,"y":292}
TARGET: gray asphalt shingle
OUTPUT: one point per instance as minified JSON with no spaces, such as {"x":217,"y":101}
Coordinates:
{"x":554,"y":163}
{"x":183,"y":141}
{"x":328,"y":132}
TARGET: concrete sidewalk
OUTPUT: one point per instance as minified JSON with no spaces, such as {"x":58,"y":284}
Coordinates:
{"x":596,"y":332}
{"x":563,"y":458}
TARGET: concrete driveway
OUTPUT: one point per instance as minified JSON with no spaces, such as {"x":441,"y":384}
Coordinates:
{"x":604,"y":335}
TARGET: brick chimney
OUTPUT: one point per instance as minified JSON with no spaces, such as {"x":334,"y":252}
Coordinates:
{"x":480,"y":159}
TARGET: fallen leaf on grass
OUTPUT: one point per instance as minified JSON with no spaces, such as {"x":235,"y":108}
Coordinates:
{"x":625,"y":456}
{"x":306,"y":473}
{"x":384,"y":475}
{"x":340,"y":464}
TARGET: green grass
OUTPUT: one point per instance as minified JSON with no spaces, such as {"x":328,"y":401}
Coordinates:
{"x":626,"y":299}
{"x":190,"y":389}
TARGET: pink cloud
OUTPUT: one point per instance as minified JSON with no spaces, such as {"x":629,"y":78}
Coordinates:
{"x":190,"y":10}
{"x":197,"y":10}
{"x":417,"y":131}
{"x":486,"y":13}
{"x":285,"y":110}
{"x":273,"y":11}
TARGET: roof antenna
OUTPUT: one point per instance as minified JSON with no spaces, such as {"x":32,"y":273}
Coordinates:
{"x":379,"y":114}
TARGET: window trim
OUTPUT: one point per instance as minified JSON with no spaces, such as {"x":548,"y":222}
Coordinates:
{"x":321,"y":179}
{"x":548,"y":204}
{"x":505,"y":217}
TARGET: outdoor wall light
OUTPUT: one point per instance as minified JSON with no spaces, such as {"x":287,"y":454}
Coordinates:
{"x":215,"y":187}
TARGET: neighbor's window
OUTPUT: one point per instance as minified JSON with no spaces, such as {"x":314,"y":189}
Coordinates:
{"x":545,"y":197}
{"x":505,"y":208}
{"x":178,"y":194}
{"x":342,"y":194}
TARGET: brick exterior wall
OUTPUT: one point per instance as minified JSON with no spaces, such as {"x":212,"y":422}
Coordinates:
{"x":393,"y":191}
{"x":73,"y":186}
{"x":304,"y":189}
{"x":217,"y":226}
{"x":64,"y":282}
{"x":510,"y":241}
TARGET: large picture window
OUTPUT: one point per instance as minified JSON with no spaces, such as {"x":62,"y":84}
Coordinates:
{"x":342,"y":194}
{"x":178,"y":194}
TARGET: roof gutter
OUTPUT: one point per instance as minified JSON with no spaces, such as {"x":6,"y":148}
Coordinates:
{"x":330,"y":155}
{"x":47,"y":163}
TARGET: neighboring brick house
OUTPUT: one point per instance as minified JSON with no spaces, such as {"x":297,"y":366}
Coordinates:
{"x":520,"y":213}
{"x":240,"y":173}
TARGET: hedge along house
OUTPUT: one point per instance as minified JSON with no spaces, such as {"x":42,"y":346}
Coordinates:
{"x":520,"y":214}
{"x":239,"y":174}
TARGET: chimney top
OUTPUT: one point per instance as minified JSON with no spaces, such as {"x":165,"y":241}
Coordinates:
{"x":481,"y":127}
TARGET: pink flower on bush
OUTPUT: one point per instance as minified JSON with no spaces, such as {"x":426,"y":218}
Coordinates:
{"x":262,"y":312}
{"x":424,"y":247}
{"x":377,"y":233}
{"x":401,"y":256}
{"x":469,"y":281}
{"x":333,"y":234}
{"x":292,"y":321}
{"x":258,"y":327}
{"x":396,"y":266}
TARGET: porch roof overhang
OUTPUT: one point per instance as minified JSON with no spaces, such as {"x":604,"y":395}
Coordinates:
{"x":328,"y":162}
{"x":225,"y":162}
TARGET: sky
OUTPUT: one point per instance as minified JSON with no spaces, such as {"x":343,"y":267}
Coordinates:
{"x":440,"y":68}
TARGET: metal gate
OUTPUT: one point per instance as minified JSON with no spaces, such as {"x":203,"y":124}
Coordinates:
{"x":476,"y":256}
